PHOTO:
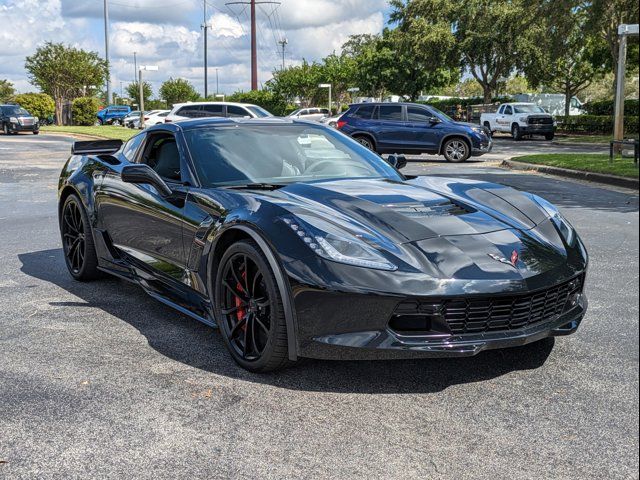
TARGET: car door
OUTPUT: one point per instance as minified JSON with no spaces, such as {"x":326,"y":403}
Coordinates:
{"x":421,"y":135}
{"x":139,"y":221}
{"x":504,"y":119}
{"x":391,"y":128}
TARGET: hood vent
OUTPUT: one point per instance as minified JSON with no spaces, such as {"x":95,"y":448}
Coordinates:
{"x":421,"y":210}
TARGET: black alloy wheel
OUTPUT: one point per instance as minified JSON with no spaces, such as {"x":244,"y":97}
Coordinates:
{"x":249,"y":309}
{"x":77,"y":241}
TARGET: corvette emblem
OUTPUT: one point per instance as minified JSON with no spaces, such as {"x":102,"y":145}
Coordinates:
{"x":515,"y":257}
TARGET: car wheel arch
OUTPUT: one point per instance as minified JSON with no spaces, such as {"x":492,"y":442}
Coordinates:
{"x":240,"y":232}
{"x":451,"y":137}
{"x":367,"y":135}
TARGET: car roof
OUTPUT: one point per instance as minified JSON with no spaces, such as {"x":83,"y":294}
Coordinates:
{"x":229,"y":104}
{"x":409,"y":104}
{"x":219,"y":121}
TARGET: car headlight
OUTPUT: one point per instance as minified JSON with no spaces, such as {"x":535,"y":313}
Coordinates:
{"x":328,"y":242}
{"x":478,"y":130}
{"x":524,"y":119}
{"x":562,"y":224}
{"x":13,"y":120}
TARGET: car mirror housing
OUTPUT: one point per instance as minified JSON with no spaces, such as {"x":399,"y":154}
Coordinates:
{"x":145,"y":175}
{"x":434,"y":120}
{"x":397,"y":161}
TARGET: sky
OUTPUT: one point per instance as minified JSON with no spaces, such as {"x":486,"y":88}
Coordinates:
{"x":168,"y":33}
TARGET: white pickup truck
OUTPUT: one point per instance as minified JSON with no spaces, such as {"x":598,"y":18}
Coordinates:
{"x":520,"y":119}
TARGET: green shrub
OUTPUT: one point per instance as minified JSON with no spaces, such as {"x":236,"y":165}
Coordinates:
{"x":596,"y":124}
{"x":84,"y":110}
{"x":464,"y":102}
{"x":607,"y":107}
{"x":266,"y":99}
{"x":39,"y":105}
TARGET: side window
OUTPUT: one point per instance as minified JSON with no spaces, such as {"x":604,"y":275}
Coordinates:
{"x":501,"y":110}
{"x":391,"y":113}
{"x":234,"y":112}
{"x":418,"y":115}
{"x":364,"y":113}
{"x":161,"y":153}
{"x":324,"y":111}
{"x":508,"y":110}
{"x":213,"y":111}
{"x":194,"y":111}
{"x":132,"y":146}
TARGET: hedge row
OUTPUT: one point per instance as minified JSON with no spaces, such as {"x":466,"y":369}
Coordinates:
{"x":607,"y":107}
{"x":463,"y":102}
{"x":596,"y":124}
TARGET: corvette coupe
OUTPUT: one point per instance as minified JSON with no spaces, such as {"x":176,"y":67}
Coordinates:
{"x":296,"y":241}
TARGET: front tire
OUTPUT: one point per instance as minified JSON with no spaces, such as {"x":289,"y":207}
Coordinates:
{"x":365,"y":142}
{"x":487,"y":126}
{"x":516,"y":132}
{"x":249,"y":309}
{"x":456,"y":150}
{"x":5,"y":129}
{"x":550,"y":136}
{"x":77,"y":241}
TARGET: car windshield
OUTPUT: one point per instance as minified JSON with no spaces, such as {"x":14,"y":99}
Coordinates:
{"x":15,"y":111}
{"x":295,"y":112}
{"x":259,"y":112}
{"x":279,"y":154}
{"x":441,"y":115}
{"x":528,"y":109}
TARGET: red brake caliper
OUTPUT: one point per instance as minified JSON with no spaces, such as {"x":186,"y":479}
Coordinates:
{"x":241,"y":310}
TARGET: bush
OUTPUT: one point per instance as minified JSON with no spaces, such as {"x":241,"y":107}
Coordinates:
{"x":263,"y":98}
{"x":39,"y":105}
{"x":607,"y":107}
{"x":596,"y":125}
{"x":84,"y":110}
{"x":464,"y":102}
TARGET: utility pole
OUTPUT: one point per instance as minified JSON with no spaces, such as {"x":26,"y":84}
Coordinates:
{"x":135,"y":66}
{"x":106,"y":51}
{"x":284,"y":42}
{"x":217,"y":81}
{"x":254,"y":38}
{"x":205,"y":28}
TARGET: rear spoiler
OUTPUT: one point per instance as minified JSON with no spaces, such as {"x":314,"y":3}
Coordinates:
{"x":96,"y":147}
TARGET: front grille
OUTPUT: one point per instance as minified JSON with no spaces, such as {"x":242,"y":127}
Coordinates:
{"x":540,"y":121}
{"x":26,"y":122}
{"x":493,"y":314}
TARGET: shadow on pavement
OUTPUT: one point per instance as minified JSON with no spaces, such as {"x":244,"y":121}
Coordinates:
{"x":185,"y":340}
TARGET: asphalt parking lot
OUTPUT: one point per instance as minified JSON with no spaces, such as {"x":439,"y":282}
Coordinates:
{"x":99,"y":380}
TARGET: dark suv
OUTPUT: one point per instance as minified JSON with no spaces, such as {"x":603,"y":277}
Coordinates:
{"x":413,"y":129}
{"x":14,"y":119}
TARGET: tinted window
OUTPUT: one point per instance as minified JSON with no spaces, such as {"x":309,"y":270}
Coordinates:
{"x":259,"y":112}
{"x":131,"y":147}
{"x":508,"y":110}
{"x":213,"y":110}
{"x":324,"y":111}
{"x":194,"y":111}
{"x":365,"y":112}
{"x":418,"y":115}
{"x":233,"y":111}
{"x":391,"y":113}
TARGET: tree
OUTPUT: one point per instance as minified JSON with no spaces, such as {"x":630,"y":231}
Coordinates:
{"x":298,"y":82}
{"x":6,"y":91}
{"x":569,"y":55}
{"x":338,"y":70}
{"x":178,"y":91}
{"x":373,"y":64}
{"x":39,"y":104}
{"x":84,"y":110}
{"x":133,"y":90}
{"x":266,"y":99}
{"x":65,"y":72}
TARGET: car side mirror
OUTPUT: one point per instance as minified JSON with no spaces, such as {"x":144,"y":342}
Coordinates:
{"x":397,"y":161}
{"x":145,"y":175}
{"x":434,"y":120}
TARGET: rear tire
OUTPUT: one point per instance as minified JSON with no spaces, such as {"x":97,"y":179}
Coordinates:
{"x":516,"y":133}
{"x":366,"y":142}
{"x":550,"y":136}
{"x":456,"y":150}
{"x":5,"y":129}
{"x":77,"y":241}
{"x":249,"y":309}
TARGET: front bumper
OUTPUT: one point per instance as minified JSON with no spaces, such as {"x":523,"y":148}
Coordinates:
{"x":538,"y":129}
{"x":16,"y":127}
{"x":385,"y":343}
{"x":483,"y":148}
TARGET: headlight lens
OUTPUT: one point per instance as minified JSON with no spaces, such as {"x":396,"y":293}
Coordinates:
{"x":479,"y":130}
{"x":564,"y":227}
{"x":337,"y":246}
{"x":524,"y":119}
{"x":13,"y":120}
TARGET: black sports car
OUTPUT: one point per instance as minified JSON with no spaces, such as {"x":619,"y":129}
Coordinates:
{"x":299,"y":242}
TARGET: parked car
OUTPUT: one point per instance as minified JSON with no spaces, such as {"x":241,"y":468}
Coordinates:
{"x":187,"y":111}
{"x":520,"y":119}
{"x":298,"y":242}
{"x":154,"y":117}
{"x":413,"y":129}
{"x":332,"y":121}
{"x":113,"y":115}
{"x":131,"y":117}
{"x":315,"y":114}
{"x":15,"y":119}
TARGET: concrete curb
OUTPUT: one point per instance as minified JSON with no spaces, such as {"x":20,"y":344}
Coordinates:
{"x":613,"y":180}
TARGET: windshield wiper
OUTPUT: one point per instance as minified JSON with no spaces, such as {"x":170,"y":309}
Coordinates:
{"x":258,"y":186}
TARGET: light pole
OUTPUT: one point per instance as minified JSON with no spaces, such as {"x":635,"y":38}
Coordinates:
{"x":624,"y":31}
{"x":284,"y":42}
{"x":106,"y":52}
{"x":329,"y":86}
{"x":148,"y":68}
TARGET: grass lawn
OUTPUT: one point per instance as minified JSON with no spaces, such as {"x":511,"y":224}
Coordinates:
{"x":623,"y":167}
{"x":107,"y":131}
{"x":605,"y":139}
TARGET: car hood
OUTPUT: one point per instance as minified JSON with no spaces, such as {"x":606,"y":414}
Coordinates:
{"x":414,"y":210}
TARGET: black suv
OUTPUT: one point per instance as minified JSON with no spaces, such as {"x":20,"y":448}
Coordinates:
{"x":14,"y":119}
